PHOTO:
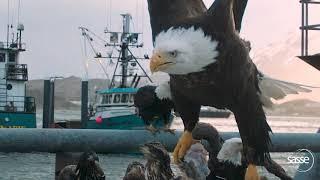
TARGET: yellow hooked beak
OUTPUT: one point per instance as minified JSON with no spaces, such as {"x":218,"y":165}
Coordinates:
{"x":158,"y":62}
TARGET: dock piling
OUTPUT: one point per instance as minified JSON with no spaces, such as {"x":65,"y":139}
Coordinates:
{"x":46,"y":102}
{"x":84,"y":103}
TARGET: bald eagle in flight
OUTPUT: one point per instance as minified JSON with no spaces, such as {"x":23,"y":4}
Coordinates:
{"x":209,"y":65}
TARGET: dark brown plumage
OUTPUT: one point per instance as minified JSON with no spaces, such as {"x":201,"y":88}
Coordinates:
{"x":158,"y":161}
{"x":135,"y":171}
{"x":163,"y":13}
{"x":87,"y":168}
{"x":166,"y":12}
{"x":150,"y":106}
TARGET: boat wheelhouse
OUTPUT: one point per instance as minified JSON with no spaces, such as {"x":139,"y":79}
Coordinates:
{"x":16,"y":109}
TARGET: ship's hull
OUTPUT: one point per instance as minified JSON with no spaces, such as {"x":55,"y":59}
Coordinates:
{"x":17,"y":120}
{"x":128,"y":122}
{"x":215,"y":114}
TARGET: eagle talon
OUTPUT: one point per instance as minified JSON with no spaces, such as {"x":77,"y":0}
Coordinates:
{"x":252,"y":173}
{"x":167,"y":129}
{"x":152,"y":129}
{"x":182,"y":146}
{"x":171,"y":131}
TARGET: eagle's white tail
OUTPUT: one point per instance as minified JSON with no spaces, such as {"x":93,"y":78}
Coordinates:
{"x":277,"y":89}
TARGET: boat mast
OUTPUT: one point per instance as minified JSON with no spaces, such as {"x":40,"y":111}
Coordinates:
{"x":126,"y":58}
{"x":124,"y":49}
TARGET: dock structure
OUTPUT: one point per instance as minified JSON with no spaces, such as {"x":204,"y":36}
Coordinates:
{"x":313,"y":60}
{"x":124,"y":141}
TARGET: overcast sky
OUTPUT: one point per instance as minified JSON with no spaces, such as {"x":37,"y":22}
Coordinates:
{"x":54,"y":40}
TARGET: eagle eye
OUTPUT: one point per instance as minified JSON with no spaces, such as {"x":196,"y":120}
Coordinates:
{"x":173,"y":53}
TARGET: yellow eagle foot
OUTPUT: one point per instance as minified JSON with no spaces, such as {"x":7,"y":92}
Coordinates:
{"x":252,"y":173}
{"x":182,"y":147}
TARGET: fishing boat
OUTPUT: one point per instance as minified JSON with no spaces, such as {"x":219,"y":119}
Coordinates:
{"x":16,"y":109}
{"x":115,"y":107}
{"x":211,"y":112}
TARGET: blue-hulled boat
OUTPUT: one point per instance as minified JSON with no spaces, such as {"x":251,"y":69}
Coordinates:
{"x":16,"y":109}
{"x":116,"y":111}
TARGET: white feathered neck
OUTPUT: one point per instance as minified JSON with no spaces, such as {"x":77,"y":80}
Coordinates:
{"x":231,"y":151}
{"x":163,"y":91}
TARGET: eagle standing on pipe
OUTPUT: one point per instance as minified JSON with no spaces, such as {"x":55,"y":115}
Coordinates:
{"x":209,"y":65}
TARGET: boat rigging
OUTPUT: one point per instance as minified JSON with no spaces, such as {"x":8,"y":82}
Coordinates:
{"x":122,"y":42}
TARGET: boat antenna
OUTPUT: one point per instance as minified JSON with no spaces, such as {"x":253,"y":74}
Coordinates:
{"x":12,"y":20}
{"x":143,"y":23}
{"x":137,"y":16}
{"x":19,"y":9}
{"x":110,"y":19}
{"x":8,"y":24}
{"x":108,"y":9}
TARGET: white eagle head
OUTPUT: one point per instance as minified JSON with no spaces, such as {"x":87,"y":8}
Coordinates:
{"x":231,"y":151}
{"x":183,"y":51}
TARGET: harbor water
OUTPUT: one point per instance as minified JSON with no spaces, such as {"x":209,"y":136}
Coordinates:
{"x":40,"y":166}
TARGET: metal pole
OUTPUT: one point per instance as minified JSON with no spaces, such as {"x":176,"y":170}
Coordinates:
{"x":84,"y":103}
{"x":124,"y":48}
{"x":46,"y":102}
{"x":306,"y":29}
{"x":302,"y":28}
{"x":124,"y":64}
{"x":124,"y":141}
{"x":133,"y":80}
{"x":20,"y":41}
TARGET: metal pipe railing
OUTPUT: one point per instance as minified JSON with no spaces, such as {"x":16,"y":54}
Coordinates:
{"x":123,"y":141}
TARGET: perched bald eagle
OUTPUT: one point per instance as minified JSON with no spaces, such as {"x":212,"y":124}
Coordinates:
{"x":225,"y":157}
{"x":230,"y":165}
{"x":152,"y":101}
{"x":209,"y":65}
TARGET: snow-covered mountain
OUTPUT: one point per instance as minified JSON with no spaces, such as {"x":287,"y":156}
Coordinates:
{"x":279,"y":60}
